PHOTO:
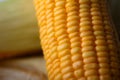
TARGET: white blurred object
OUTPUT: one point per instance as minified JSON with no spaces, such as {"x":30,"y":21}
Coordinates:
{"x":23,"y":69}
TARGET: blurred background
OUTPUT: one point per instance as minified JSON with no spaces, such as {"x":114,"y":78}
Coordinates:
{"x":19,"y":35}
{"x":115,"y":13}
{"x":20,"y":52}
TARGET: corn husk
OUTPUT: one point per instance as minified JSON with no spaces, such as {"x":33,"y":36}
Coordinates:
{"x":18,"y":27}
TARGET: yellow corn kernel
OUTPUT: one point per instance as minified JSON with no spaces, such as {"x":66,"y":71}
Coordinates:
{"x":78,"y":40}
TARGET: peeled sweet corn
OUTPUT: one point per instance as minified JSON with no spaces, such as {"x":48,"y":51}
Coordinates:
{"x":77,"y":39}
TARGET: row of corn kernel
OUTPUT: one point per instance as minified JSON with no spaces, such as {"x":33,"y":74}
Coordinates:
{"x":88,"y":38}
{"x":44,"y":26}
{"x":52,"y":63}
{"x":110,"y":41}
{"x":88,"y":45}
{"x":63,"y":40}
{"x":72,"y":10}
{"x":101,"y":46}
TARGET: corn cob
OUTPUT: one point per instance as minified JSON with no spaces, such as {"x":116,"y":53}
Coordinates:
{"x":77,"y":39}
